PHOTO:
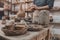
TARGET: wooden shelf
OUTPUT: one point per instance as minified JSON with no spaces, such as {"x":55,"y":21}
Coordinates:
{"x":13,"y":11}
{"x":28,"y":11}
{"x":28,"y":1}
{"x":8,"y":2}
{"x":55,"y":23}
{"x":19,"y":2}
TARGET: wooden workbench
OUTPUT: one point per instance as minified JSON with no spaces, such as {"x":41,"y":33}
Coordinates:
{"x":40,"y":35}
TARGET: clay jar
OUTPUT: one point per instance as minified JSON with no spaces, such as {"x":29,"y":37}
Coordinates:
{"x":10,"y":25}
{"x":21,"y":14}
{"x":51,"y":19}
{"x":3,"y":20}
{"x":6,"y":6}
{"x":17,"y":19}
{"x":34,"y":28}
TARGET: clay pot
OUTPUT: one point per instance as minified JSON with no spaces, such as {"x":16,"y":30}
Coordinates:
{"x":24,"y":7}
{"x":6,"y":7}
{"x":7,"y":17}
{"x":10,"y":25}
{"x":51,"y":19}
{"x":17,"y":19}
{"x":19,"y":30}
{"x":3,"y":20}
{"x":34,"y":28}
{"x":21,"y":14}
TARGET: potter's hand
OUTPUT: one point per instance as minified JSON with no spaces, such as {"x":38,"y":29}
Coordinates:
{"x":37,"y":8}
{"x":30,"y":9}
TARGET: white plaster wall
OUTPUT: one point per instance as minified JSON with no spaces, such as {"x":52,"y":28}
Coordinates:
{"x":56,"y":17}
{"x":57,"y":3}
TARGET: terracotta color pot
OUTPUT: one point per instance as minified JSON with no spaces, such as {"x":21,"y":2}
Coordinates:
{"x":19,"y":30}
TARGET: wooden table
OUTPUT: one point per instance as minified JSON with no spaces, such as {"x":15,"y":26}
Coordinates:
{"x":40,"y":35}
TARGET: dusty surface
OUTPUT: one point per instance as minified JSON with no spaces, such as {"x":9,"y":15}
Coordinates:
{"x":28,"y":36}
